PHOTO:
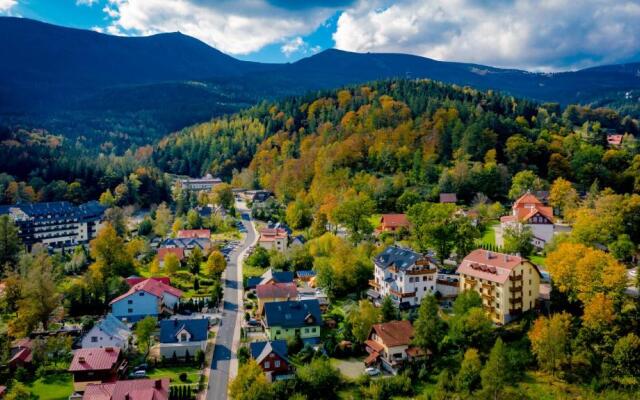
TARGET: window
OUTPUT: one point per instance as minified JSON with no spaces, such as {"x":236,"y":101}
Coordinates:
{"x":141,"y":294}
{"x":277,"y":332}
{"x":276,"y":364}
{"x":424,"y":278}
{"x":94,"y":339}
{"x":183,"y":337}
{"x":267,"y":364}
{"x":129,"y":301}
{"x":130,"y":310}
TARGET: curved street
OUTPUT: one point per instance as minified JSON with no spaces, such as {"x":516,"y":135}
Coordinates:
{"x":224,"y":364}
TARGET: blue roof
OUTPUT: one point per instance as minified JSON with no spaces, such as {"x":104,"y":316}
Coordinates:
{"x":277,"y":276}
{"x":254,"y":281}
{"x":197,"y":328}
{"x":293,"y":314}
{"x":112,"y":326}
{"x":259,"y":350}
{"x":186,"y":243}
{"x":306,"y":273}
{"x":398,"y":257}
{"x":91,"y":209}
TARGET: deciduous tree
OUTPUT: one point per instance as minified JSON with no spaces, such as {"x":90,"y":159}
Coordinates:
{"x":550,"y":341}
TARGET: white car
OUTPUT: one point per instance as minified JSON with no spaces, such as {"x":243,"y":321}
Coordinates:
{"x":372,"y":371}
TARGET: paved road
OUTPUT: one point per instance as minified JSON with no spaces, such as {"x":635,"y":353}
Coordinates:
{"x":224,"y":357}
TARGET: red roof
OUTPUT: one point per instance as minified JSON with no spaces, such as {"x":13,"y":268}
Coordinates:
{"x":194,"y":233}
{"x":448,"y":198}
{"x":277,"y":290}
{"x":23,"y":351}
{"x":489,"y":265}
{"x":3,"y":390}
{"x":133,"y":280}
{"x":163,"y":251}
{"x":151,"y":286}
{"x":94,"y":359}
{"x":136,"y":389}
{"x":394,"y":333}
{"x":528,"y":206}
{"x":394,"y":220}
{"x":271,"y":234}
{"x":615,"y":140}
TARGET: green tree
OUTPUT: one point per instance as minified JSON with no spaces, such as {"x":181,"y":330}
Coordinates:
{"x":250,"y":383}
{"x":354,"y":213}
{"x":319,"y":379}
{"x":18,"y":392}
{"x":468,"y":377}
{"x":525,"y":181}
{"x":550,"y":341}
{"x":319,"y":225}
{"x":298,"y":214}
{"x":144,"y":333}
{"x":194,"y":260}
{"x":163,"y":220}
{"x":259,"y":258}
{"x":388,"y":310}
{"x":433,"y":227}
{"x":429,"y":328}
{"x":362,"y":319}
{"x":10,"y":243}
{"x":194,"y":221}
{"x":216,"y":264}
{"x":626,"y":354}
{"x":107,"y":199}
{"x":171,"y":264}
{"x":517,"y":239}
{"x":494,"y":375}
{"x":223,"y":195}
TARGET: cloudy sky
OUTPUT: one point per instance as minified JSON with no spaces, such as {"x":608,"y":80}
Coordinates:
{"x":542,"y":35}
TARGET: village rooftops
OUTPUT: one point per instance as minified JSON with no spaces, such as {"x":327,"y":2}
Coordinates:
{"x":198,"y":329}
{"x":164,"y":251}
{"x":291,"y":314}
{"x":394,"y":333}
{"x":286,"y":290}
{"x":136,"y":389}
{"x":527,"y":206}
{"x":261,"y":350}
{"x":150,"y":286}
{"x":271,"y":234}
{"x":397,"y":257}
{"x":94,"y":359}
{"x":194,"y":233}
{"x":489,"y":265}
{"x":133,"y":280}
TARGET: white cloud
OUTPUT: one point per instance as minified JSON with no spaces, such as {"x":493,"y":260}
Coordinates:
{"x":535,"y":34}
{"x":6,"y":5}
{"x":293,"y":46}
{"x":97,"y":29}
{"x":86,"y":2}
{"x":236,"y":27}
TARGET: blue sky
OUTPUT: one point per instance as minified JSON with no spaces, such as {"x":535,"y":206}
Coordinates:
{"x":529,"y":34}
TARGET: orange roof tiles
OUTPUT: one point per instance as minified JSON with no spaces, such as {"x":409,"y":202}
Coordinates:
{"x":394,"y":333}
{"x":194,"y":233}
{"x":489,"y":265}
{"x":94,"y":359}
{"x":162,"y":252}
{"x":277,"y":290}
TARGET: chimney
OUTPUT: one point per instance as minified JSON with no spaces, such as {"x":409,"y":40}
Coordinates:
{"x":506,"y":258}
{"x":158,"y":384}
{"x":108,"y":349}
{"x":81,"y":360}
{"x":489,"y":255}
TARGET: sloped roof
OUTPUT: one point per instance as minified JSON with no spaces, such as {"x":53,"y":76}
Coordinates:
{"x":132,"y":280}
{"x":292,"y":314}
{"x":197,"y":328}
{"x":448,"y":198}
{"x":489,"y":265}
{"x":394,"y":333}
{"x":398,"y":257}
{"x":397,"y":220}
{"x":112,"y":326}
{"x":527,"y":206}
{"x":163,"y":251}
{"x":137,"y":389}
{"x":260,"y":350}
{"x":277,"y":290}
{"x":150,"y":286}
{"x":188,"y":243}
{"x":94,"y":359}
{"x":194,"y":233}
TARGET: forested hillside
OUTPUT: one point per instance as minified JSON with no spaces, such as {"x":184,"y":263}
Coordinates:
{"x":403,"y":138}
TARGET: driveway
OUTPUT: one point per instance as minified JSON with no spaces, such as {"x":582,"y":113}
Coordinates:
{"x":224,"y":364}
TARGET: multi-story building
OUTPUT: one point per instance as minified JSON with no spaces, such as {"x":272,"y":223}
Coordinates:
{"x":273,"y":238}
{"x":57,"y":225}
{"x":530,"y":212}
{"x":404,"y":275}
{"x":389,"y":345}
{"x":206,"y":183}
{"x":509,"y":285}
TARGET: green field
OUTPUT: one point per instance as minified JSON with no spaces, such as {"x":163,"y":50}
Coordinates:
{"x":53,"y":387}
{"x":173,"y":373}
{"x":489,"y":234}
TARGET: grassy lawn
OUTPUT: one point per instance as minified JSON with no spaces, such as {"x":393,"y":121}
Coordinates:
{"x":489,"y":235}
{"x":193,"y":374}
{"x":351,"y":368}
{"x":248,"y":270}
{"x":538,"y":260}
{"x":53,"y":387}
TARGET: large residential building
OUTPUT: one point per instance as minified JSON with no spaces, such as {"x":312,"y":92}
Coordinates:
{"x":147,"y":298}
{"x":389,"y":346}
{"x":206,"y":183}
{"x":529,"y":211}
{"x":404,"y":275}
{"x":183,"y":338}
{"x":273,"y":238}
{"x":108,"y":332}
{"x":290,"y":319}
{"x":509,"y":285}
{"x":134,"y":389}
{"x":57,"y":225}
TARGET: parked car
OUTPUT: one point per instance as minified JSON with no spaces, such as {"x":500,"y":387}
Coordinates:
{"x":372,"y":371}
{"x":138,"y":374}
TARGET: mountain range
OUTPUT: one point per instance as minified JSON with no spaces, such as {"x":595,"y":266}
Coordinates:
{"x":100,"y":87}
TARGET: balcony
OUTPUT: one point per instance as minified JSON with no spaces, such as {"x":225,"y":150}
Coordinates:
{"x":374,"y":284}
{"x":487,"y":308}
{"x":470,"y":281}
{"x":515,"y":311}
{"x":402,"y":295}
{"x":516,"y":289}
{"x":516,"y":303}
{"x":515,"y":278}
{"x":488,"y":296}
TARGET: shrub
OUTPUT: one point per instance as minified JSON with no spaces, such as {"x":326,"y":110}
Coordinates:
{"x":183,"y":377}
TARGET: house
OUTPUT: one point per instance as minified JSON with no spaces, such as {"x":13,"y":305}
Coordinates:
{"x":272,"y":358}
{"x":108,"y":332}
{"x":188,"y":244}
{"x":270,"y":292}
{"x":290,"y":319}
{"x":133,"y":280}
{"x":392,"y":223}
{"x":270,"y":276}
{"x":136,"y":389}
{"x":404,"y":275}
{"x":389,"y":346}
{"x":147,"y":298}
{"x":183,"y":338}
{"x":310,"y":293}
{"x":164,"y":251}
{"x":194,"y":234}
{"x":297,"y":240}
{"x":96,"y":365}
{"x":529,"y":211}
{"x":273,"y":238}
{"x":447,"y":286}
{"x":509,"y":285}
{"x":256,"y":196}
{"x":206,"y":183}
{"x":21,"y":353}
{"x":305,"y":275}
{"x":615,"y":140}
{"x":448,"y":198}
{"x":57,"y":225}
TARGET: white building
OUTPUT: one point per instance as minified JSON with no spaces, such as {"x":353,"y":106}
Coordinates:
{"x":108,"y":332}
{"x":205,"y":183}
{"x":529,"y":212}
{"x":404,"y":275}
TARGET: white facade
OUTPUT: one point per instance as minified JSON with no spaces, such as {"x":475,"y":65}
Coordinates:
{"x":109,"y":332}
